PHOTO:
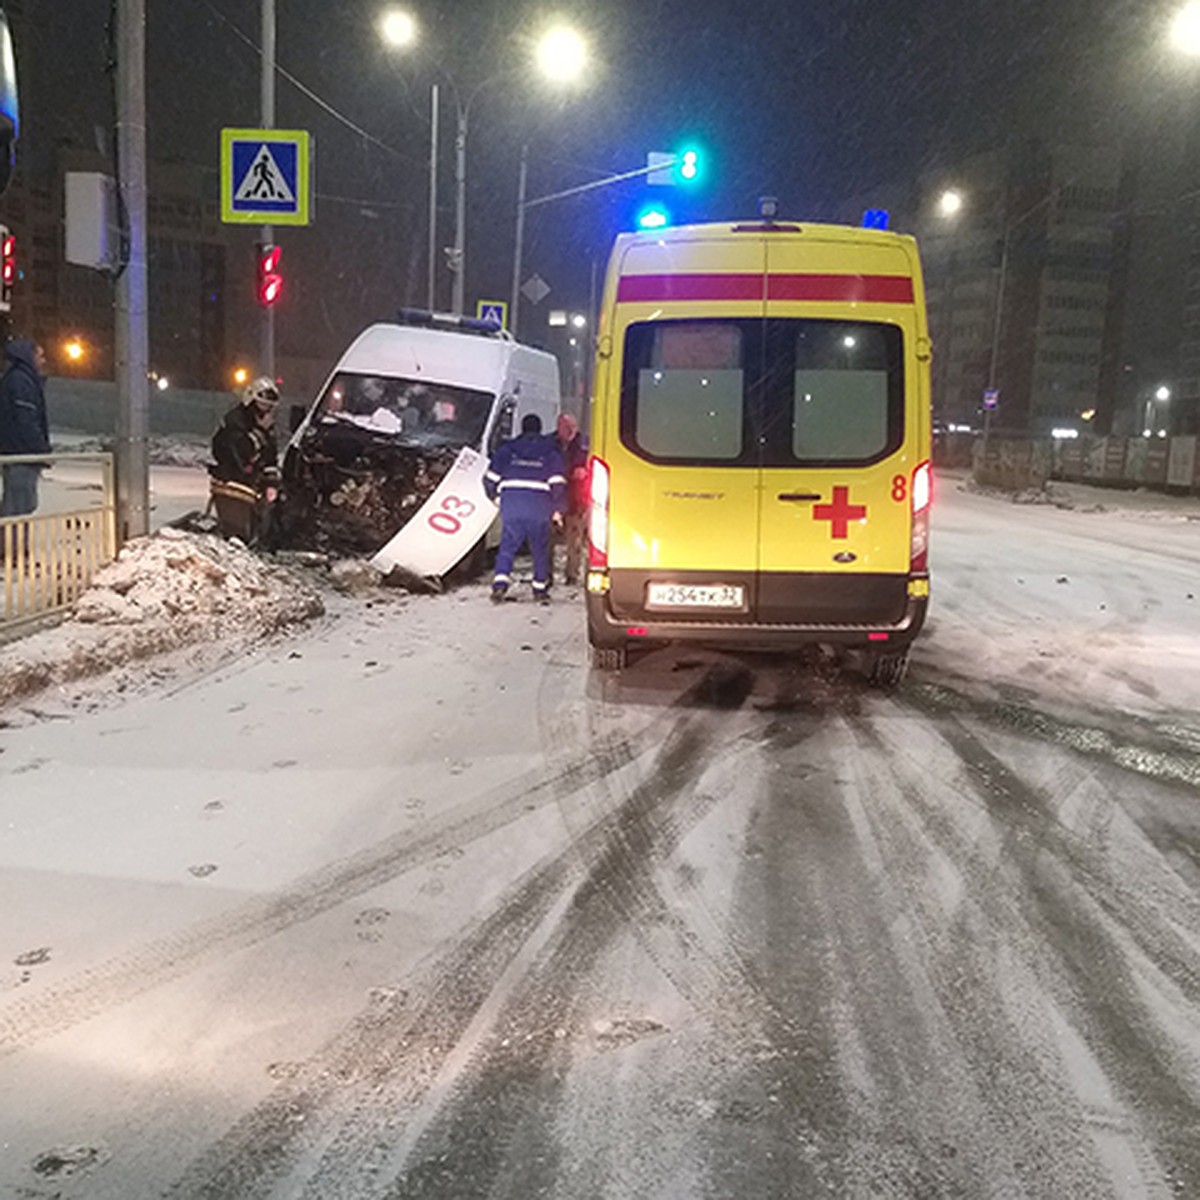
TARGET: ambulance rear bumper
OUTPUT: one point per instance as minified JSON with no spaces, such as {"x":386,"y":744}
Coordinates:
{"x":782,"y":611}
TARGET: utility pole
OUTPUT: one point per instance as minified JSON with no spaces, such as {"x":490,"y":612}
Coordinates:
{"x":267,"y":346}
{"x":458,"y":261}
{"x":514,"y":304}
{"x":132,"y":340}
{"x":431,"y":288}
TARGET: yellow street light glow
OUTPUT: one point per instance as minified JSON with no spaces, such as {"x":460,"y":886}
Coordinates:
{"x":1185,"y":29}
{"x":73,"y":349}
{"x":950,"y":202}
{"x":241,"y":375}
{"x":399,"y":28}
{"x":561,"y":55}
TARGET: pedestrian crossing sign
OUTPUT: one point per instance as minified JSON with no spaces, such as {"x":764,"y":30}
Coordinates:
{"x":495,"y":311}
{"x":265,"y":177}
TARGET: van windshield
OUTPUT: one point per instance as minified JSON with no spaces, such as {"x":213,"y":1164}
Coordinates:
{"x":776,"y":392}
{"x":412,"y":411}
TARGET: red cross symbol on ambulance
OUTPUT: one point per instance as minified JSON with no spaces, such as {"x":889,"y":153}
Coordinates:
{"x":839,"y":513}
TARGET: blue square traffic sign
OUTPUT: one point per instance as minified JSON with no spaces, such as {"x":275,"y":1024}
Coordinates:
{"x":265,"y":176}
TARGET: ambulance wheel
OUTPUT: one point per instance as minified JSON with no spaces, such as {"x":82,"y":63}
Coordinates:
{"x":609,"y":658}
{"x":886,"y":671}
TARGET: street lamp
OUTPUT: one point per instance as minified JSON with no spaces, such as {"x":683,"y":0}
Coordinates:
{"x":399,"y":28}
{"x":1162,"y":394}
{"x":1185,"y":29}
{"x":950,"y":202}
{"x":73,"y":349}
{"x":400,"y":31}
{"x":560,"y":55}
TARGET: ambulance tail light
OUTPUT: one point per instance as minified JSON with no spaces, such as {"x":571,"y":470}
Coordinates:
{"x":922,"y":494}
{"x":597,"y":513}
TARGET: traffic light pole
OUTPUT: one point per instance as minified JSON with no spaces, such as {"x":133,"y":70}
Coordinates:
{"x":267,"y":344}
{"x":514,"y":304}
{"x":458,"y":262}
{"x":523,"y":205}
{"x":132,"y":340}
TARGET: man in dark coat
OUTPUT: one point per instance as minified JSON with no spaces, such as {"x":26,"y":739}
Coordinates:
{"x":574,"y":456}
{"x":245,"y":477}
{"x":526,"y":476}
{"x":24,"y":428}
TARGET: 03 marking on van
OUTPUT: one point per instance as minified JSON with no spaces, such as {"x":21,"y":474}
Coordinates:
{"x":687,"y":595}
{"x":839,"y":513}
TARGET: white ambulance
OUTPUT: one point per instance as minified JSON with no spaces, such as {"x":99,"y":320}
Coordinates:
{"x":411,"y":412}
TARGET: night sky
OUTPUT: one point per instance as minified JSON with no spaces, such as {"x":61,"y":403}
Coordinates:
{"x":815,"y":102}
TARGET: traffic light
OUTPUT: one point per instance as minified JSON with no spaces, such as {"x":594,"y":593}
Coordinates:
{"x":270,"y":281}
{"x":687,"y":165}
{"x":675,"y":168}
{"x":8,"y":267}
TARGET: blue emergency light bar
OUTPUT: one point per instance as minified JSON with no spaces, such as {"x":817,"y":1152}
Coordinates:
{"x":423,"y":316}
{"x":875,"y":218}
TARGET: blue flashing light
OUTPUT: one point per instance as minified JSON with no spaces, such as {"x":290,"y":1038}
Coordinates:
{"x":875,"y":218}
{"x":653,"y":216}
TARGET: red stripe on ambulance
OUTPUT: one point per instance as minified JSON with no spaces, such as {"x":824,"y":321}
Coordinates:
{"x":865,"y":289}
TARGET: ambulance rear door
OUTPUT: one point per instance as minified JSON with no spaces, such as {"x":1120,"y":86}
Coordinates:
{"x":837,"y":450}
{"x":683,"y":450}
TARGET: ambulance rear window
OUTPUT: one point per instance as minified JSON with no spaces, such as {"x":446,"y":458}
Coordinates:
{"x":845,"y":391}
{"x":690,"y":392}
{"x":780,"y":392}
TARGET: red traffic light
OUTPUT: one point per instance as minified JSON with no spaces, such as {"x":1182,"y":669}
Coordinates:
{"x":270,"y":281}
{"x":8,"y":267}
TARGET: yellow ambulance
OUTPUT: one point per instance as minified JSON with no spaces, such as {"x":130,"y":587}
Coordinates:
{"x":760,"y":443}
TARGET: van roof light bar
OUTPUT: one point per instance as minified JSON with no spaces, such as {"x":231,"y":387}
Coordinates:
{"x":436,"y":320}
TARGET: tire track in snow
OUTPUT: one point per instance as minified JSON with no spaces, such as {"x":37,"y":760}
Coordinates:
{"x":499,"y":1119}
{"x":1092,"y":975}
{"x":115,"y":982}
{"x":1047,"y":937}
{"x":326,"y":1130}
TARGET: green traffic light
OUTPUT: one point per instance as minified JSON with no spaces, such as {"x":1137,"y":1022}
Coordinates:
{"x":687,"y":165}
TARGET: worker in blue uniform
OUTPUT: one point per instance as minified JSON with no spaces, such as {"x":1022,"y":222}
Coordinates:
{"x":526,"y":477}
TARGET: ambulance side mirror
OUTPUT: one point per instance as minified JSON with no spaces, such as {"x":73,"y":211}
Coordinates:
{"x":295,"y":416}
{"x":502,"y":430}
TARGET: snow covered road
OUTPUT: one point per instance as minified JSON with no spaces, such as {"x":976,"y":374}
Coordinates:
{"x":412,"y":906}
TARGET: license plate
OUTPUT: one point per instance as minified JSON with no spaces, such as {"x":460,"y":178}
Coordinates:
{"x":695,"y":595}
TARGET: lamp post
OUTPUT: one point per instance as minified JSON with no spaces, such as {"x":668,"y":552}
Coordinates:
{"x":399,"y":30}
{"x":949,"y":206}
{"x":561,"y":56}
{"x":1162,"y":394}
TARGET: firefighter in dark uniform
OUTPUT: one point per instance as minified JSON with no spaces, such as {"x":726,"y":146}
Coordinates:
{"x":526,"y":476}
{"x":244,"y":480}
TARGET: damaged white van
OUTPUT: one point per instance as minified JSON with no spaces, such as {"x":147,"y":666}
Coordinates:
{"x":392,"y":422}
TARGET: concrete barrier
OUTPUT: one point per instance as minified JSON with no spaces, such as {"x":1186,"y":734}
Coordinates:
{"x":90,"y":406}
{"x":1013,"y":464}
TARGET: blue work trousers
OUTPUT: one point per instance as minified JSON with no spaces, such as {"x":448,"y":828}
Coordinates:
{"x":20,"y":496}
{"x":518,"y":529}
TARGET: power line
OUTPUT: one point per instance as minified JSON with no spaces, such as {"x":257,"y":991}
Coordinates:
{"x":305,"y":90}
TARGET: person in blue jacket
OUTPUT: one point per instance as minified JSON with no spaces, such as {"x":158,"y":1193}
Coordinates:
{"x":526,"y":477}
{"x":24,"y":428}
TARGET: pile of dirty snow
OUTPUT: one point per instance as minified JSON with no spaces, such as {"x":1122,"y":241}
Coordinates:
{"x":163,"y":592}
